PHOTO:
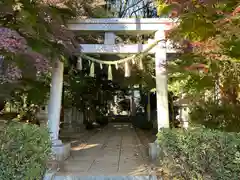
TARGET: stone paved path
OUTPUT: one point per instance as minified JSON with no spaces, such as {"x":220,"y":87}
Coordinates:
{"x":115,"y":150}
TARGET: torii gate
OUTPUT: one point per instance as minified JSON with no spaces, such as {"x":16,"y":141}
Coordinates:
{"x":111,"y":27}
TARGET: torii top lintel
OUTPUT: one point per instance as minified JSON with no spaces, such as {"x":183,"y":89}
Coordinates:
{"x":121,"y":25}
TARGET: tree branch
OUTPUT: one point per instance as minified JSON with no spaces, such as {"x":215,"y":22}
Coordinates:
{"x":134,"y":12}
{"x":129,"y":7}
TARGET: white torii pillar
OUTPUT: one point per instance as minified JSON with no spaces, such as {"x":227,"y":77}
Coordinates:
{"x":161,"y":91}
{"x":54,"y":106}
{"x":161,"y":81}
{"x":61,"y":151}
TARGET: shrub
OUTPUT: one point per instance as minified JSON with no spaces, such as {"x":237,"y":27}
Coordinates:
{"x":200,"y":154}
{"x":24,"y":151}
{"x":225,"y":117}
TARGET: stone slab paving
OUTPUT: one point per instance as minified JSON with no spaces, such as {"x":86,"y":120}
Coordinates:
{"x":113,"y":151}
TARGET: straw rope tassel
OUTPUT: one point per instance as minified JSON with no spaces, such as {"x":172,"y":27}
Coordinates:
{"x":92,"y":70}
{"x":127,"y":70}
{"x":110,"y":73}
{"x":116,"y":66}
{"x":141,"y":64}
{"x":79,"y":64}
{"x":133,"y":61}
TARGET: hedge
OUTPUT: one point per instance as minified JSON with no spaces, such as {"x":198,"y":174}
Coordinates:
{"x":200,"y":154}
{"x":24,"y":151}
